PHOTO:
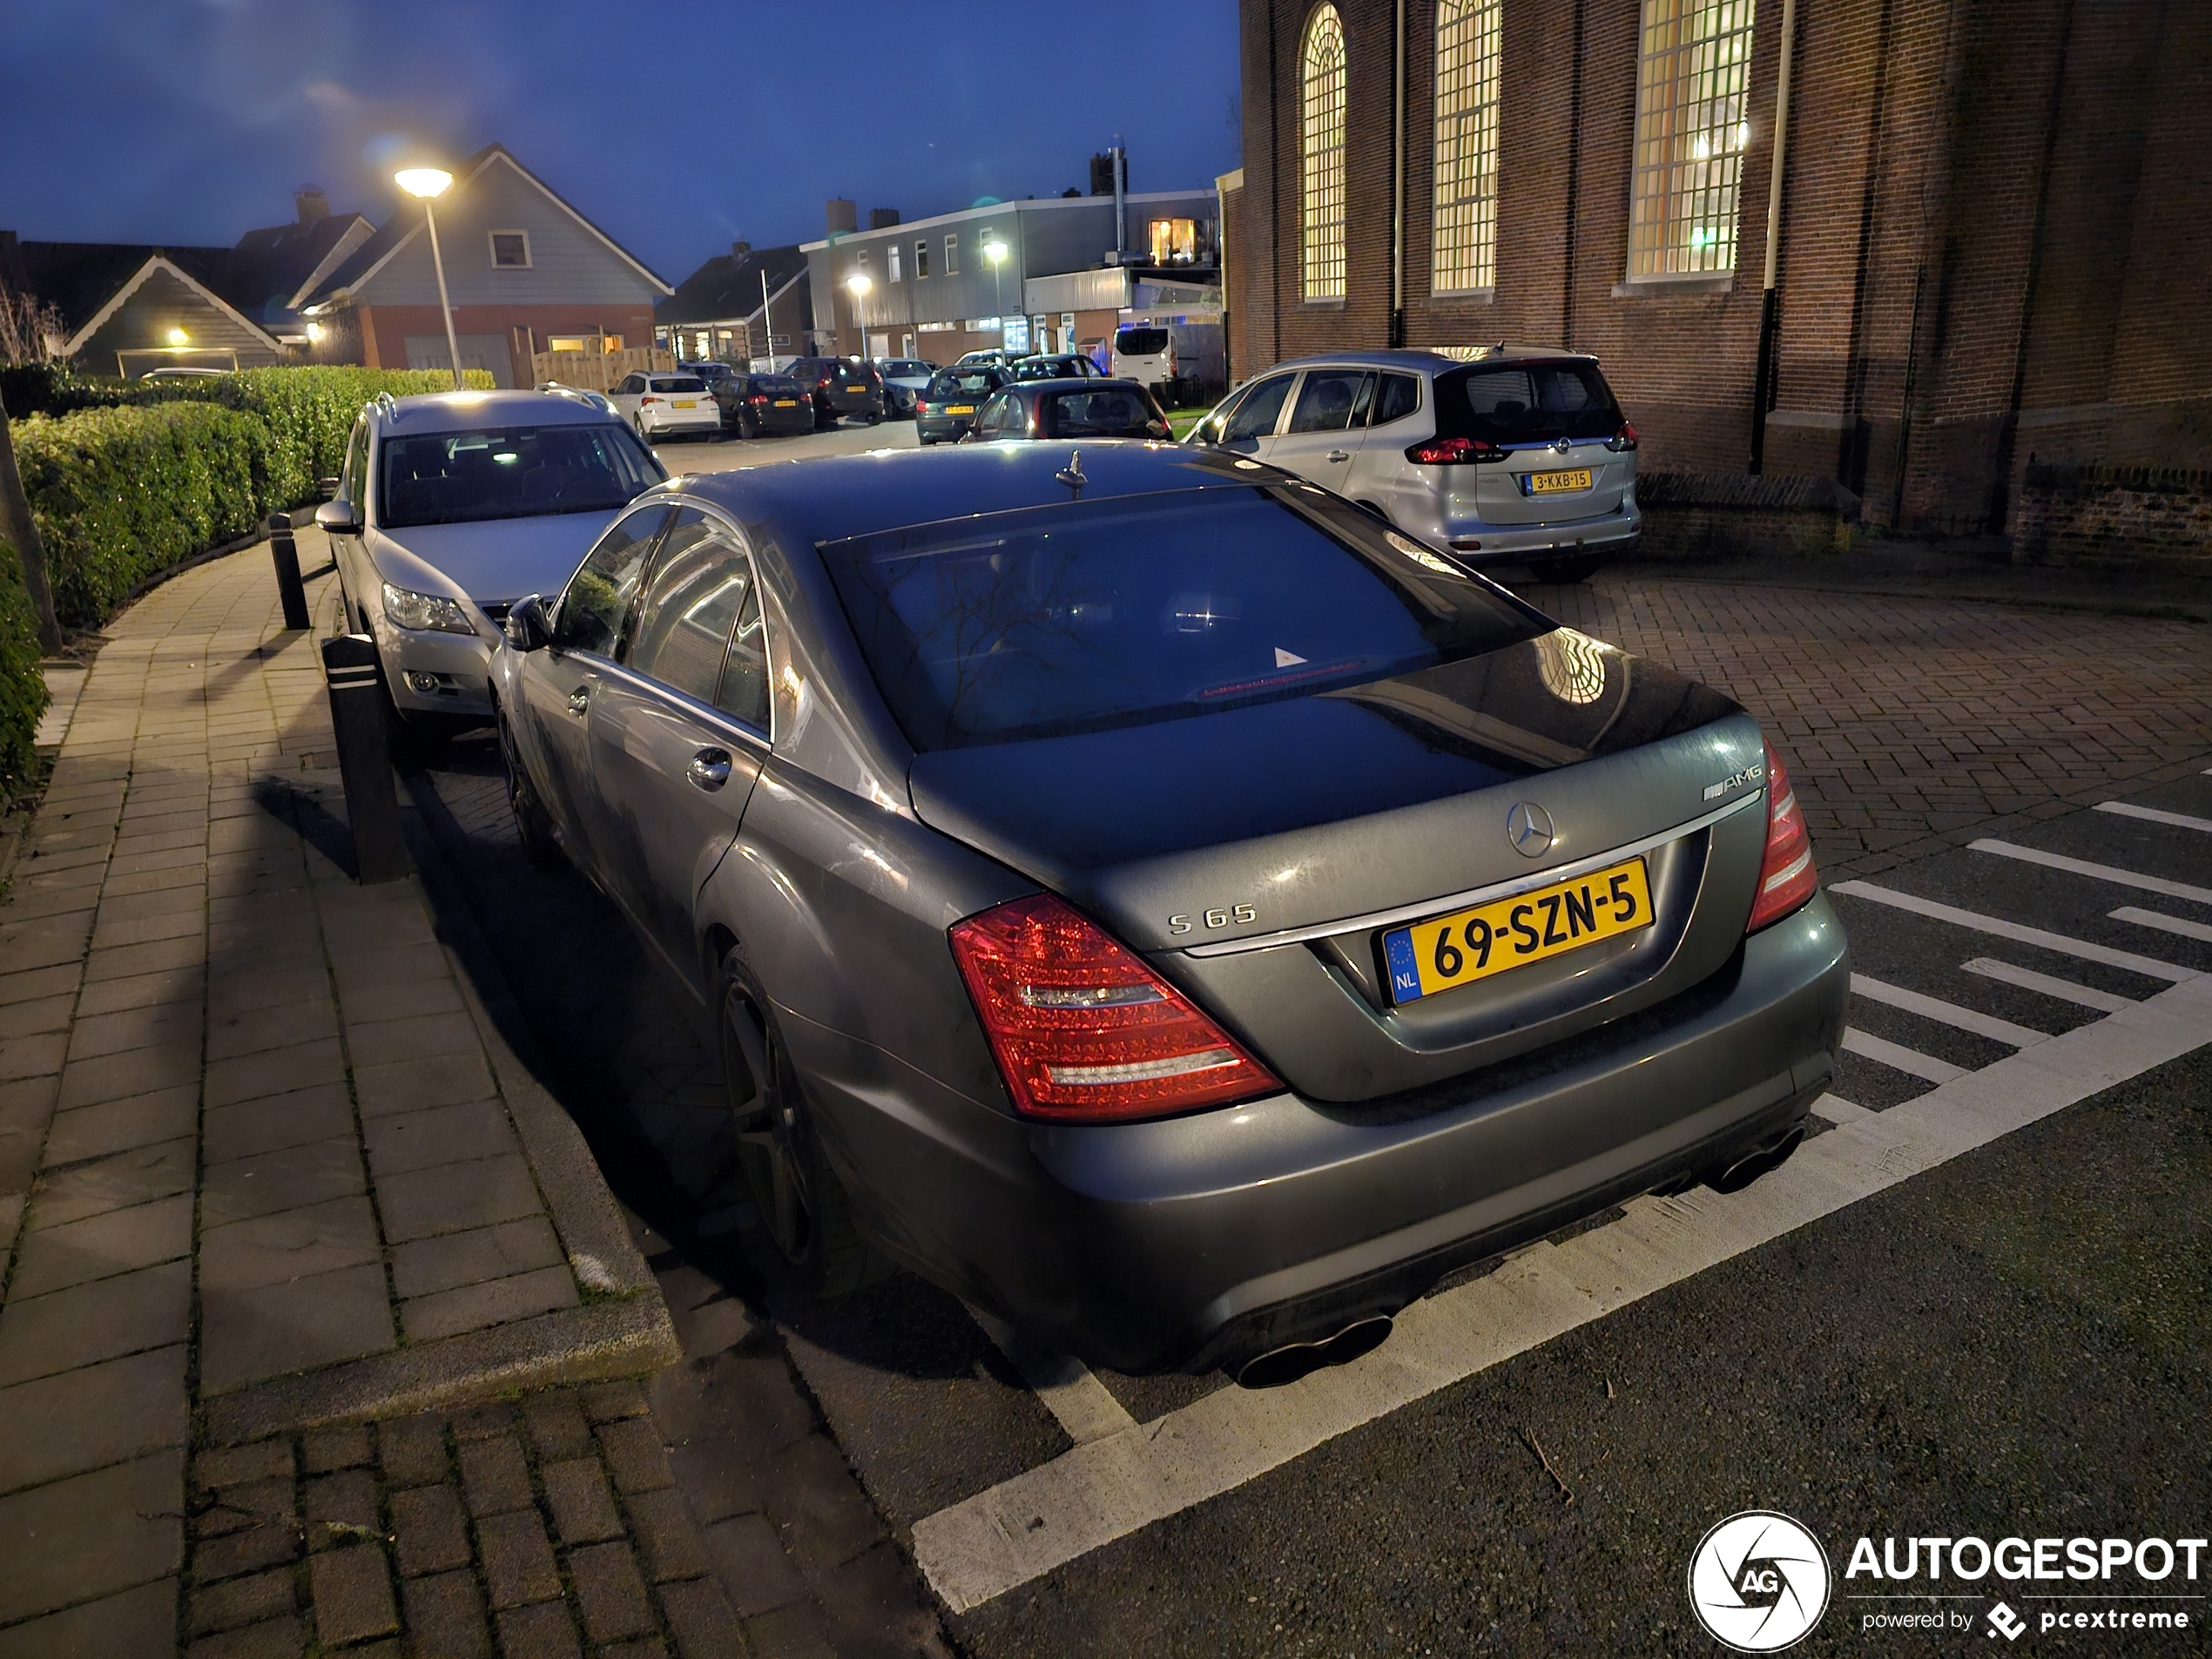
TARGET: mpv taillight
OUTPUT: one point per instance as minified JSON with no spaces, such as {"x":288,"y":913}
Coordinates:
{"x":1447,"y":451}
{"x":1624,"y":440}
{"x":1786,"y":876}
{"x":1083,"y":1031}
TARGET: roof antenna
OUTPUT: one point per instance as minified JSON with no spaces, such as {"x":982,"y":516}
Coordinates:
{"x":1072,"y":474}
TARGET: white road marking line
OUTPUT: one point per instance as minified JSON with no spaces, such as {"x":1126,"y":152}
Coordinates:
{"x":1023,"y":1529}
{"x":2064,"y":989}
{"x":2096,"y":871}
{"x":2164,"y":924}
{"x":2149,"y":966}
{"x":1898,"y":1057}
{"x":1066,"y":1385}
{"x":1934,"y":1008}
{"x":2152,"y":815}
{"x":1837,"y":1110}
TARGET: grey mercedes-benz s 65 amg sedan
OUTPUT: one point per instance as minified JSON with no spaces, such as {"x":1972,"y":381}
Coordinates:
{"x":1146,"y":894}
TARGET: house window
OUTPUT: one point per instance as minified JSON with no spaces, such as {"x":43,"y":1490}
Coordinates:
{"x":1174,"y":242}
{"x":1691,"y":132}
{"x":609,"y":343}
{"x":921,"y":260}
{"x":890,"y":262}
{"x":951,"y":254}
{"x":1464,"y":253}
{"x":510,"y":250}
{"x":1321,"y":103}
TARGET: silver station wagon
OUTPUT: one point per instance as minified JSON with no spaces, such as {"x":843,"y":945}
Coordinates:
{"x":1520,"y":457}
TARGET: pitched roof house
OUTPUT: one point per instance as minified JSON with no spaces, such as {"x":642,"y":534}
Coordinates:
{"x":718,"y":312}
{"x":525,"y":271}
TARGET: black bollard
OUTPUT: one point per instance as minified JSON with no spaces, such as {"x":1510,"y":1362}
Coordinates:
{"x":285,"y":553}
{"x":365,"y":757}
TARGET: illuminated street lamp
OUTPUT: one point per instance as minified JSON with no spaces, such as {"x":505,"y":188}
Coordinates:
{"x":860,"y":283}
{"x":428,"y":183}
{"x":995,"y":251}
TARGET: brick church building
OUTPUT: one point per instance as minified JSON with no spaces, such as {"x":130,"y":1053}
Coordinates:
{"x":1986,"y":267}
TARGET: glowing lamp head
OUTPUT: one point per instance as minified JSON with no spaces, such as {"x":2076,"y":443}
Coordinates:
{"x":994,"y":252}
{"x":860,"y":283}
{"x":314,"y":331}
{"x":178,"y":336}
{"x":426,"y":182}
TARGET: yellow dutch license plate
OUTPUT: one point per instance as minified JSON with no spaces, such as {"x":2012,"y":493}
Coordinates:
{"x":960,"y":408}
{"x":787,"y":402}
{"x":1469,"y":945}
{"x":687,"y":403}
{"x":1557,"y":483}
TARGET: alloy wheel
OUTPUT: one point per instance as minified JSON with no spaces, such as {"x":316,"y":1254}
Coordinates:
{"x":769,"y":1131}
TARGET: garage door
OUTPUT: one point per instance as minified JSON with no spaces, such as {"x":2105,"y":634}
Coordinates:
{"x":486,"y":351}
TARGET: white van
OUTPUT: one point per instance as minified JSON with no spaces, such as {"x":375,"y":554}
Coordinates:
{"x":1169,"y":353}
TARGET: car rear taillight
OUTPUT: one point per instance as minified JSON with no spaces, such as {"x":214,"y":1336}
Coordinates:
{"x":1083,"y":1030}
{"x":1447,"y":451}
{"x":1624,"y":440}
{"x":757,"y":397}
{"x":650,"y":398}
{"x":1786,"y":876}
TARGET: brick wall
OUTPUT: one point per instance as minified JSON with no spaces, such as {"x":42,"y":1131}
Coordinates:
{"x":2127,"y":516}
{"x":1995,"y":215}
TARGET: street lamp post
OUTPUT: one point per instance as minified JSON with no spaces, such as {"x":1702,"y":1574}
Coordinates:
{"x":429,"y":183}
{"x":860,"y":283}
{"x":995,"y":251}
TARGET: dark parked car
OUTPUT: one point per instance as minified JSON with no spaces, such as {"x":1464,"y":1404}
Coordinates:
{"x":1166,"y":906}
{"x":753,"y":405}
{"x":840,"y":386}
{"x":946,"y":411}
{"x":713,"y":374}
{"x":905,"y":379}
{"x":1071,"y":409}
{"x":1063,"y":366}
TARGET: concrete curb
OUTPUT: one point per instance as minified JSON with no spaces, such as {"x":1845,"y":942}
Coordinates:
{"x":589,"y":1344}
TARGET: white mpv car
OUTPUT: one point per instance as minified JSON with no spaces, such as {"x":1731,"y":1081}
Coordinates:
{"x":1521,"y":456}
{"x":453,"y":506}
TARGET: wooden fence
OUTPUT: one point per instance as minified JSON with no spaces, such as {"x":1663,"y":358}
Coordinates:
{"x":595,"y":371}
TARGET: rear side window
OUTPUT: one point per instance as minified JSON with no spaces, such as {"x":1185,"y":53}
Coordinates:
{"x":1332,"y":400}
{"x":1398,"y":397}
{"x":1525,"y":403}
{"x":1113,"y":412}
{"x":1085,"y":616}
{"x":699,"y":585}
{"x":598,"y":594}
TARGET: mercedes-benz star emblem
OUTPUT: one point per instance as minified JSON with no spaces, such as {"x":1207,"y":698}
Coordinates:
{"x":1529,"y":827}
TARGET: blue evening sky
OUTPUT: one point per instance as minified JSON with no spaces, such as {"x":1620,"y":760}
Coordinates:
{"x":676,"y":126}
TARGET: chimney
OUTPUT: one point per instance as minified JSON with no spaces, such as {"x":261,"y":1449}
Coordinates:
{"x":844,"y":217}
{"x":739,"y":249}
{"x":311,"y":203}
{"x":882,"y":219}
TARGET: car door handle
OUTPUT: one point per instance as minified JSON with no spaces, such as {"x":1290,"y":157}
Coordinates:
{"x":579,"y":700}
{"x":709,"y":768}
{"x":1339,"y":455}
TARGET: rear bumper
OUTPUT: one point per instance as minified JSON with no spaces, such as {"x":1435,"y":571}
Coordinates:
{"x":1610,"y":534}
{"x":706,"y":420}
{"x":1208,"y":1238}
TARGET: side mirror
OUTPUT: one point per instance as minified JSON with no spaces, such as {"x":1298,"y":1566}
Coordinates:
{"x":339,"y":517}
{"x":526,"y":627}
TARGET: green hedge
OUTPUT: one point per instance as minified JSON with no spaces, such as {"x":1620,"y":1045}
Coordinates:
{"x":23,"y":690}
{"x":123,"y":493}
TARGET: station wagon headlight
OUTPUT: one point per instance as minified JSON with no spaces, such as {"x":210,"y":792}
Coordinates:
{"x":425,"y":612}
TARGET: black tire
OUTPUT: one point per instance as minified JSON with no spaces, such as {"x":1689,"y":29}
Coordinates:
{"x":1576,"y":567}
{"x":532,"y":822}
{"x":803,"y":1206}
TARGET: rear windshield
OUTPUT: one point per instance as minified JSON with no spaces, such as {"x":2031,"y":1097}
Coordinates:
{"x":1116,"y":412}
{"x":965,"y":382}
{"x":777,"y":385}
{"x":1525,"y":403}
{"x":510,"y":472}
{"x":713,"y":371}
{"x":1087,"y":616}
{"x":1048,"y":368}
{"x":1141,"y":343}
{"x":680,"y":383}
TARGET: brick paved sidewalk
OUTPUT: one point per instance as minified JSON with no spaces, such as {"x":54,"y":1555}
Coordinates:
{"x":268,"y":1171}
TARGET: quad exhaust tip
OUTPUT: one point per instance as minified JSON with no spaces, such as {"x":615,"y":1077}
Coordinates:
{"x":1296,"y":1360}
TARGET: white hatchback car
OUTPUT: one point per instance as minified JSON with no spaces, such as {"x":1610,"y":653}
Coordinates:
{"x":664,"y":404}
{"x":453,"y":506}
{"x":1521,"y":456}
